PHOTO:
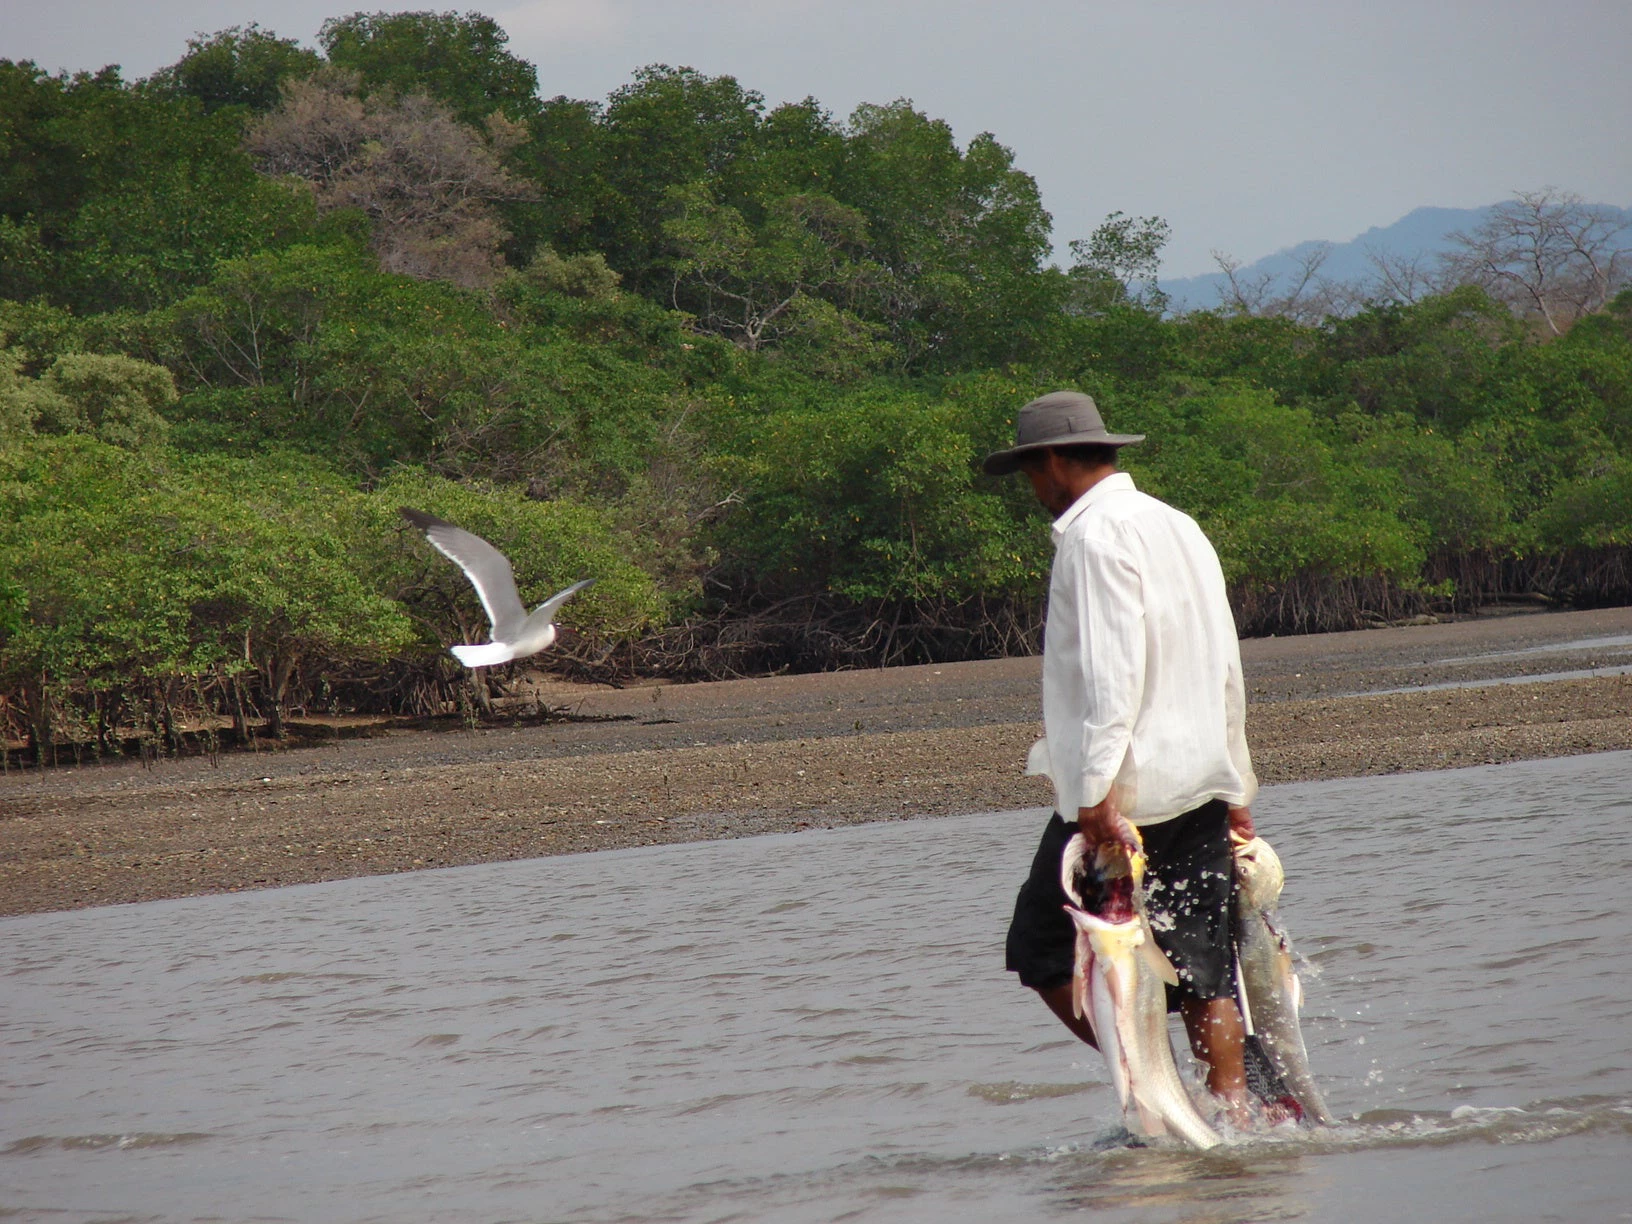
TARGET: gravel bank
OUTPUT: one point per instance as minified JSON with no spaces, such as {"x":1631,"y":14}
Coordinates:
{"x":683,"y":763}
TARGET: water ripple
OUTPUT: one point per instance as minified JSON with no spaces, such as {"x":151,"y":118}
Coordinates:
{"x":817,"y":1026}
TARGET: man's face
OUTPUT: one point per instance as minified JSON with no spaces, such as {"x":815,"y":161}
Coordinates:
{"x":1046,"y":472}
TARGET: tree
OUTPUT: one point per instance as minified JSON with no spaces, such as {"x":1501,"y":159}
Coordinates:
{"x":426,"y":181}
{"x":668,"y":128}
{"x":603,"y":173}
{"x":460,"y":60}
{"x":1402,"y":278}
{"x":565,"y":163}
{"x":117,"y":399}
{"x":116,"y":197}
{"x":1304,"y":297}
{"x":1118,"y":265}
{"x":960,"y":236}
{"x":239,"y":66}
{"x":576,"y":276}
{"x":1436,"y":360}
{"x":749,"y":286}
{"x":1549,"y":255}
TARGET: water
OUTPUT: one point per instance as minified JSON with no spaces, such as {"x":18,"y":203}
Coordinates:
{"x":817,"y":1027}
{"x":1581,"y":673}
{"x":1611,"y":641}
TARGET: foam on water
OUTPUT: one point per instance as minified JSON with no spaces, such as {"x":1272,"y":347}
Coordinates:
{"x":817,"y":1026}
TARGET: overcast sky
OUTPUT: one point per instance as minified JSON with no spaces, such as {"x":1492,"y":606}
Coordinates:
{"x":1249,"y":125}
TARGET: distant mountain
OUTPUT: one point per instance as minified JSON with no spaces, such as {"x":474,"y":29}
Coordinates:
{"x":1422,"y":231}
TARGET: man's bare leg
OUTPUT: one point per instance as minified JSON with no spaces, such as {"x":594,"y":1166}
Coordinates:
{"x":1217,"y":1037}
{"x":1058,"y":999}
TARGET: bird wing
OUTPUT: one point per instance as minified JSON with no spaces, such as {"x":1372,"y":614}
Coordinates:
{"x":487,"y":568}
{"x":544,"y":614}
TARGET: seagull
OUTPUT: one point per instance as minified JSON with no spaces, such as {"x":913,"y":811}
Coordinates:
{"x":515,"y":634}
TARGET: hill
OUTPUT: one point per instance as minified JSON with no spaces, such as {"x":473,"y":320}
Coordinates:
{"x":1421,"y":232}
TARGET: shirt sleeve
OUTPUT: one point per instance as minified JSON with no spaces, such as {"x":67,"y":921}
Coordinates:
{"x":1111,"y":647}
{"x":1235,"y":712}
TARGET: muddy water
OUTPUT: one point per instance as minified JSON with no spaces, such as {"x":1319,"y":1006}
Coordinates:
{"x":817,"y":1027}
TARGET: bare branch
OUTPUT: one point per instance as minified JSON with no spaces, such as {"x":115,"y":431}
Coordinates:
{"x":1304,"y":297}
{"x":427,"y":181}
{"x":1547,"y":254}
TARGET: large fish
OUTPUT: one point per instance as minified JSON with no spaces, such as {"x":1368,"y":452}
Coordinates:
{"x":1270,"y":992}
{"x":1118,"y":985}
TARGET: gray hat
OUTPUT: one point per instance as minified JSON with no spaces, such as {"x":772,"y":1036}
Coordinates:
{"x":1060,"y":418}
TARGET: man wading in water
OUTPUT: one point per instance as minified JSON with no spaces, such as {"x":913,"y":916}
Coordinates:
{"x":1144,"y":717}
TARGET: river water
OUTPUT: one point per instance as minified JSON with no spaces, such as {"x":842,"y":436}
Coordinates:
{"x":817,"y":1027}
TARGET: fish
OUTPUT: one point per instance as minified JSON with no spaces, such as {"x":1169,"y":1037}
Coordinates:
{"x":1119,"y":984}
{"x":515,"y":633}
{"x":1269,"y":991}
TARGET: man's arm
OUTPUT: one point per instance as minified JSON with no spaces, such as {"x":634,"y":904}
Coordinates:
{"x":1235,"y":711}
{"x":1111,"y":644}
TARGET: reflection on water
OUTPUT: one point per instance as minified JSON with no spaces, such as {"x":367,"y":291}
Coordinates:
{"x":1582,"y":673}
{"x":1609,"y":641}
{"x":817,"y":1026}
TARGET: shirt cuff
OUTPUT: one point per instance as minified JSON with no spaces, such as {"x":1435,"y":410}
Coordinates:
{"x":1094,"y":787}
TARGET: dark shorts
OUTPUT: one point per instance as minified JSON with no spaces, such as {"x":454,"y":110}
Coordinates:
{"x":1188,"y":876}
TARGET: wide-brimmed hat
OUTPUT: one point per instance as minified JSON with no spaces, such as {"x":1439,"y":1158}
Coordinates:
{"x":1060,"y":418}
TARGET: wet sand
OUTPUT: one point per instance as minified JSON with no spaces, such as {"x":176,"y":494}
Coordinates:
{"x":660,"y":763}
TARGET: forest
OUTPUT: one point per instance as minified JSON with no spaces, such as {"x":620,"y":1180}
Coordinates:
{"x":739,"y":362}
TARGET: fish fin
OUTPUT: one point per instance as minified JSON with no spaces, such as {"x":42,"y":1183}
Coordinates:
{"x":1297,"y":993}
{"x":1157,"y":960}
{"x":1150,"y":1121}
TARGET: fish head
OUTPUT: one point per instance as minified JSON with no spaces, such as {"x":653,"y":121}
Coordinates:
{"x":1114,"y":860}
{"x":1259,"y":874}
{"x":1119,"y":869}
{"x":1121,"y":872}
{"x":1073,"y":865}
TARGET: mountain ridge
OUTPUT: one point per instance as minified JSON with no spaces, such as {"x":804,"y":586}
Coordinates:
{"x":1423,"y":232}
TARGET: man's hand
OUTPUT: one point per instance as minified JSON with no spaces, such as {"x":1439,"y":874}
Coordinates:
{"x":1241,"y":830}
{"x":1104,"y":823}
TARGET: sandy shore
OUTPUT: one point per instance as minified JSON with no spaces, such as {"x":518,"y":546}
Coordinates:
{"x":659,"y":763}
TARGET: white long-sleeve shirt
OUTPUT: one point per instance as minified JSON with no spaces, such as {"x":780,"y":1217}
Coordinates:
{"x":1142,"y":684}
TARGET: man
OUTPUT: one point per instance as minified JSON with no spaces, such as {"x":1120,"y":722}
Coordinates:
{"x":1143,"y":710}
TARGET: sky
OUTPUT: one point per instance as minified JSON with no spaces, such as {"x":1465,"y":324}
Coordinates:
{"x":1249,"y":125}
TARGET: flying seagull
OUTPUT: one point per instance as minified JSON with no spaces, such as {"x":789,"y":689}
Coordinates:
{"x":515,"y":634}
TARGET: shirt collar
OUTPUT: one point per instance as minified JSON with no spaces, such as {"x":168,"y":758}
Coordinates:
{"x":1116,"y":482}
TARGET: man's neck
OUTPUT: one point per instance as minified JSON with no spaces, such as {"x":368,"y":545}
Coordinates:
{"x":1076,"y":481}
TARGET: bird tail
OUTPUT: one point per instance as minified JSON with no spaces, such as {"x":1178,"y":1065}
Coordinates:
{"x":489,"y":654}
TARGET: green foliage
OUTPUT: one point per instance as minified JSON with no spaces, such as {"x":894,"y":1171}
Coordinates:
{"x":757,"y":285}
{"x":22,"y":400}
{"x":551,"y":544}
{"x":668,"y":128}
{"x":312,"y":346}
{"x":743,"y":358}
{"x":240,"y":66}
{"x":460,"y":59}
{"x":118,"y":399}
{"x":149,"y":566}
{"x":877,"y":499}
{"x":1117,"y":265}
{"x":960,"y":234}
{"x":115,"y":197}
{"x":126,"y":569}
{"x":1592,"y":511}
{"x":576,"y":276}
